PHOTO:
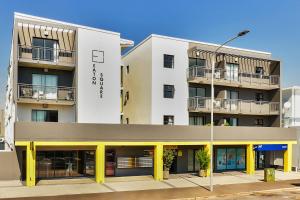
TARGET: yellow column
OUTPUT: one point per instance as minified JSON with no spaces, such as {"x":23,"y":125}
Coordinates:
{"x":207,"y":146}
{"x":250,"y":160}
{"x":158,"y":162}
{"x":287,"y":158}
{"x":100,"y":163}
{"x":30,"y":164}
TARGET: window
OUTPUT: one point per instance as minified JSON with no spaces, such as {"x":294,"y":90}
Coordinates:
{"x":44,"y":49}
{"x":259,"y":70}
{"x":196,"y":120}
{"x":196,"y":92}
{"x":44,"y":116}
{"x":168,"y":61}
{"x":127,"y":69}
{"x":44,"y":86}
{"x":259,"y":96}
{"x":196,"y":62}
{"x":127,"y":120}
{"x":121,"y":76}
{"x":231,"y":121}
{"x":259,"y":122}
{"x":169,"y":91}
{"x":168,"y":120}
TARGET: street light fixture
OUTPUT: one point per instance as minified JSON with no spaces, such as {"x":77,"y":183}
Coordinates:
{"x":240,"y":34}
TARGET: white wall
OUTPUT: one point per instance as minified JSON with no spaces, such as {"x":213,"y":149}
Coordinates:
{"x":138,"y":83}
{"x":176,"y":76}
{"x":91,"y":108}
{"x":291,"y":116}
{"x":65,"y":113}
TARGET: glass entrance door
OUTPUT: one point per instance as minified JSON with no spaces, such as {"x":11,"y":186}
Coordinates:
{"x":63,"y":164}
{"x":260,"y":159}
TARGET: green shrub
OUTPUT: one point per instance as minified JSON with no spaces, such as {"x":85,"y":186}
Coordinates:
{"x":168,"y":158}
{"x":203,"y":158}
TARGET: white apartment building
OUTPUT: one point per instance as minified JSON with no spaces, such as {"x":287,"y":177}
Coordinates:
{"x":291,"y":106}
{"x":166,"y":80}
{"x":62,"y":72}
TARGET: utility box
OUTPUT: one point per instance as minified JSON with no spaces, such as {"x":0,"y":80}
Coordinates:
{"x":269,"y":175}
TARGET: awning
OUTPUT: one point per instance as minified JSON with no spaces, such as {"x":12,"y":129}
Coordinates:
{"x":270,"y":147}
{"x":65,"y":37}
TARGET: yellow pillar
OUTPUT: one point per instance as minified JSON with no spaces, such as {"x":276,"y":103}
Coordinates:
{"x":250,"y":160}
{"x":207,"y":147}
{"x":30,"y":164}
{"x":287,"y":158}
{"x":158,"y":162}
{"x":100,"y":163}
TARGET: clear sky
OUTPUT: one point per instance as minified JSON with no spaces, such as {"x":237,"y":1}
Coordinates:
{"x":274,"y":24}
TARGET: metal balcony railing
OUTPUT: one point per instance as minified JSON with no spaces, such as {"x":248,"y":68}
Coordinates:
{"x":233,"y":77}
{"x":52,"y":55}
{"x":290,"y":121}
{"x":233,"y":106}
{"x":41,"y":92}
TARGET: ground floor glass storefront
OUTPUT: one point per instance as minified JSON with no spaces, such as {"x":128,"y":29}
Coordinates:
{"x":64,"y":164}
{"x":230,"y":158}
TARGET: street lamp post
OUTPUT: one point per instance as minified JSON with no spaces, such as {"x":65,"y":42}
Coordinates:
{"x":240,"y":34}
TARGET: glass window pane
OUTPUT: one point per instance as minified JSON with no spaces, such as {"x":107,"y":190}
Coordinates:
{"x":240,"y":158}
{"x":221,"y":159}
{"x":168,"y":61}
{"x":191,"y":160}
{"x":231,"y":158}
{"x":192,"y":62}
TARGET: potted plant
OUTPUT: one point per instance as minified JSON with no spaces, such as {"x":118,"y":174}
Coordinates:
{"x":168,"y":158}
{"x":203,"y":158}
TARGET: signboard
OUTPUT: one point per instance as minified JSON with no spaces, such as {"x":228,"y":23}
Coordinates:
{"x":98,"y":77}
{"x":270,"y":147}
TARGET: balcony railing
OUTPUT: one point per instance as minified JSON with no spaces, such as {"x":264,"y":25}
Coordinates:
{"x":49,"y":93}
{"x":290,"y":121}
{"x":51,"y":55}
{"x":234,"y":106}
{"x":230,"y":77}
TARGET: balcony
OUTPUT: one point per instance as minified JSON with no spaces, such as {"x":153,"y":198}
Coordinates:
{"x":232,"y":79}
{"x":33,"y":56}
{"x":233,"y":106}
{"x":46,"y":94}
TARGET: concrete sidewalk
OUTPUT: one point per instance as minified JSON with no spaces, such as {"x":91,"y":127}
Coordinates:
{"x":192,"y":193}
{"x":139,"y":183}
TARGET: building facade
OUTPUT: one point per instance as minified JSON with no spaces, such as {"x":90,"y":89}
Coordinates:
{"x":291,"y":106}
{"x":291,"y":116}
{"x":62,"y":72}
{"x":69,"y":90}
{"x":168,"y":81}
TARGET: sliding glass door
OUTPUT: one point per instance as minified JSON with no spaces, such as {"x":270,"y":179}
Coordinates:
{"x":232,"y":72}
{"x":44,"y":49}
{"x":44,"y":86}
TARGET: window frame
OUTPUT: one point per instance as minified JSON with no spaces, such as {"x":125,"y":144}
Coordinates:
{"x":167,"y":117}
{"x":165,"y":92}
{"x":172,"y":61}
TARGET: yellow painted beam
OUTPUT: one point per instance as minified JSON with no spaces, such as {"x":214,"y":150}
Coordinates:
{"x":124,"y":143}
{"x":207,"y":146}
{"x":250,"y":160}
{"x":158,"y":162}
{"x":30,"y":164}
{"x":21,"y":143}
{"x":287,"y":158}
{"x":100,"y":163}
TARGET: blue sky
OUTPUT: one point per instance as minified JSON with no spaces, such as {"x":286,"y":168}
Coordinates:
{"x":274,"y":24}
